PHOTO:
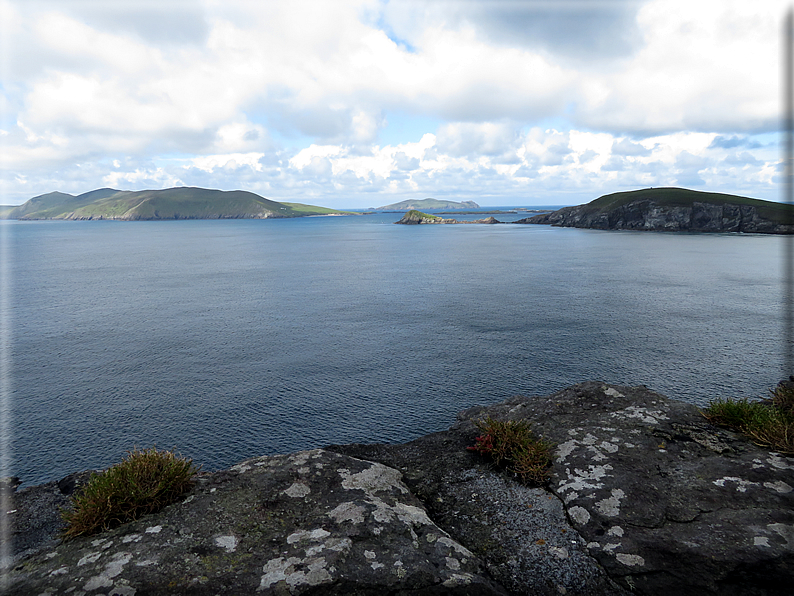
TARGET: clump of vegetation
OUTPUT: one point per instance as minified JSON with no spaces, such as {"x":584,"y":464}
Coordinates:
{"x":783,"y":398}
{"x":512,"y":445}
{"x":768,"y":423}
{"x":143,"y":482}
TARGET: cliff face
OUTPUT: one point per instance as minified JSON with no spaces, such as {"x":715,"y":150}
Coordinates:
{"x":646,"y":497}
{"x":645,"y":214}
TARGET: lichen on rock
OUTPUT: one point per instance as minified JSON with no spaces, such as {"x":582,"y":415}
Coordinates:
{"x":645,"y":497}
{"x":280,"y":524}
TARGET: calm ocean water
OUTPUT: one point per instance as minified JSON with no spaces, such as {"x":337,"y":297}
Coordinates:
{"x":230,"y":339}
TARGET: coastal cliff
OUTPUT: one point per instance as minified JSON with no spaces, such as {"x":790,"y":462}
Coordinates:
{"x":673,"y":210}
{"x":645,"y":497}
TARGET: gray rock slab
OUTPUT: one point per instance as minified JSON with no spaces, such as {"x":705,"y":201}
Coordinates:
{"x":645,"y":497}
{"x":522,"y":534}
{"x":33,"y":517}
{"x":667,"y":502}
{"x":313,"y":522}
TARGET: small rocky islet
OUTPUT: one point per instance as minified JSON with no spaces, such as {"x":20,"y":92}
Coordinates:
{"x":645,"y":497}
{"x":414,"y":217}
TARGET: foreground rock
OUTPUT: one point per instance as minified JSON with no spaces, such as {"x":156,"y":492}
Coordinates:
{"x":646,"y":497}
{"x":36,"y":518}
{"x":310,"y":522}
{"x":664,"y":501}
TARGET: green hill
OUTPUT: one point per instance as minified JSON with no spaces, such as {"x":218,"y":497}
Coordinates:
{"x":674,"y":210}
{"x":46,"y":205}
{"x":422,"y":204}
{"x":171,"y":203}
{"x":684,"y":197}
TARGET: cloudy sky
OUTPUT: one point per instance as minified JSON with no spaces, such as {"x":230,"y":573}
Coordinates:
{"x":361,"y":103}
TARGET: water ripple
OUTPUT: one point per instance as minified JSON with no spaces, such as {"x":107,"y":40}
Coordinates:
{"x":236,"y":338}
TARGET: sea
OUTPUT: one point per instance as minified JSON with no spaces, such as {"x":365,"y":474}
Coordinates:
{"x":229,"y":339}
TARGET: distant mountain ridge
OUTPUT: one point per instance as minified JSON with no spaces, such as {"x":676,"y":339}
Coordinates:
{"x":171,"y":203}
{"x":674,"y":210}
{"x":422,"y":204}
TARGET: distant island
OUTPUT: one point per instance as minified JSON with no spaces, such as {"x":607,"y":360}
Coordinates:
{"x":674,"y":210}
{"x":170,"y":203}
{"x":421,"y":204}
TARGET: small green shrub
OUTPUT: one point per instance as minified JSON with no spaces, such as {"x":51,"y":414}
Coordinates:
{"x":766,"y":423}
{"x":512,"y":443}
{"x":143,"y":482}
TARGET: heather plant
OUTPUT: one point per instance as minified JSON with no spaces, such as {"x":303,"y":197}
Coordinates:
{"x":511,"y":444}
{"x":768,"y":423}
{"x":144,"y":482}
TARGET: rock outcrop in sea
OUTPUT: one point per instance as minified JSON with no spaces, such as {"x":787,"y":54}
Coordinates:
{"x":415,"y":217}
{"x":646,"y":497}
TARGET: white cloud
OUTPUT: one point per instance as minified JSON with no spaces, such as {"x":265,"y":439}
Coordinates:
{"x":305,"y":156}
{"x":706,"y":65}
{"x":209,"y":163}
{"x":486,"y":138}
{"x":77,"y":42}
{"x":289,"y":97}
{"x":241,"y":135}
{"x":157,"y":178}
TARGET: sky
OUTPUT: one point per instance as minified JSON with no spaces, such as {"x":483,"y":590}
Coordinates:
{"x":363,"y":103}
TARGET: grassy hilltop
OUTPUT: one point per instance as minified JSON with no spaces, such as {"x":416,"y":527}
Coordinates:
{"x":171,"y":203}
{"x":683,"y":197}
{"x":674,"y":210}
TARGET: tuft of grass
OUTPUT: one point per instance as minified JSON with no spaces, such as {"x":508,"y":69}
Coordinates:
{"x":767,"y":423}
{"x":513,"y":445}
{"x":144,"y":482}
{"x":783,"y":398}
{"x":737,"y":414}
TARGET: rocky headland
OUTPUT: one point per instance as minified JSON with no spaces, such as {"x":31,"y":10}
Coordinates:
{"x":645,"y":497}
{"x":674,"y":210}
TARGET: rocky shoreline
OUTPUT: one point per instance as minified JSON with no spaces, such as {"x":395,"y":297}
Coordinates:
{"x":646,"y":497}
{"x":650,"y":215}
